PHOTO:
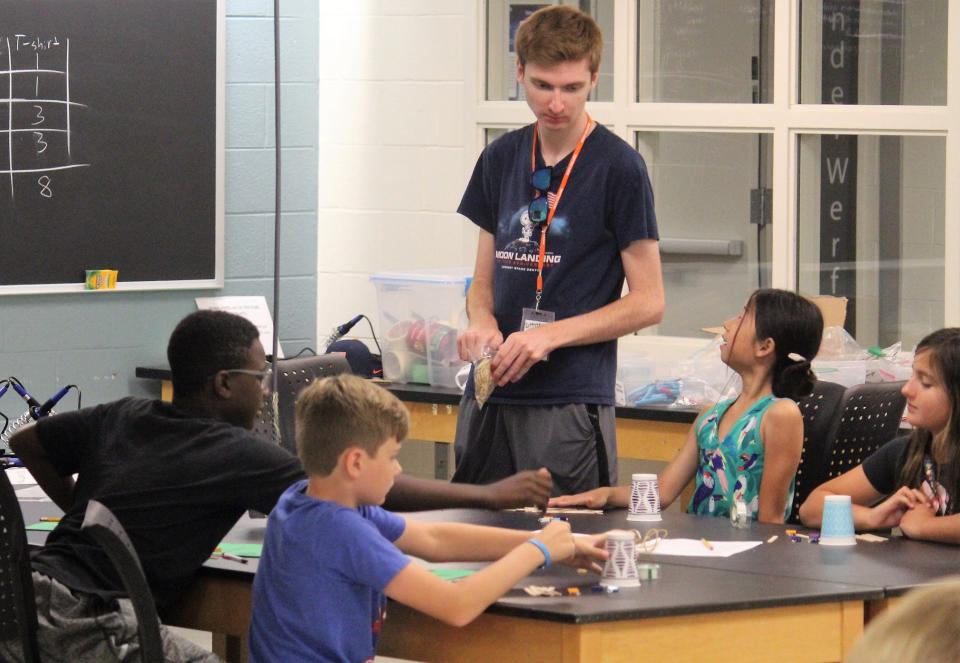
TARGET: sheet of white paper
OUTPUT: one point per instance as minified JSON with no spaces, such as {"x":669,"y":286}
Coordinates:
{"x":555,"y":510}
{"x":20,"y":476}
{"x":32,"y":493}
{"x":695,"y":548}
{"x":253,"y":308}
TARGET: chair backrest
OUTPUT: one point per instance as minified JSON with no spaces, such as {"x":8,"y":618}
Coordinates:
{"x":18,"y":609}
{"x":818,"y":410}
{"x":103,"y":526}
{"x":267,"y":424}
{"x":266,"y":427}
{"x":294,"y":376}
{"x":870,"y":416}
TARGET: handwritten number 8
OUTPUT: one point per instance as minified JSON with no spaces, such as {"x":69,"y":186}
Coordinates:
{"x":45,"y":190}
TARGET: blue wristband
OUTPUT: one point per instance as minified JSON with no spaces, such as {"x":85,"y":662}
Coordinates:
{"x":547,"y":561}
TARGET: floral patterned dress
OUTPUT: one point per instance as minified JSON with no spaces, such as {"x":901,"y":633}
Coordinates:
{"x":730,"y":469}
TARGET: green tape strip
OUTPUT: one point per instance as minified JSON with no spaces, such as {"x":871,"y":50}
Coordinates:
{"x":452,"y":574}
{"x":242,"y":549}
{"x":41,"y":527}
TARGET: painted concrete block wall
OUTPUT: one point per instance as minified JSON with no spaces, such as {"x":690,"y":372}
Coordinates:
{"x":392,"y":162}
{"x":96,"y":340}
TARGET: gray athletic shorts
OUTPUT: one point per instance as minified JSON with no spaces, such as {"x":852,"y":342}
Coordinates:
{"x":576,"y":442}
{"x":77,"y":628}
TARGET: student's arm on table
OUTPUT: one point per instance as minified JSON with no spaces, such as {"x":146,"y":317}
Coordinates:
{"x":460,"y":602}
{"x":526,"y":488}
{"x":451,"y":542}
{"x":672,"y":480}
{"x":612,"y":496}
{"x":782,"y":433}
{"x":641,"y":307}
{"x":26,"y":444}
{"x":923,"y":524}
{"x":855,"y":483}
{"x":482,"y":331}
{"x":679,"y":471}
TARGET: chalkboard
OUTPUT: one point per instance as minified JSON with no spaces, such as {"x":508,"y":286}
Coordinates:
{"x":111,"y":143}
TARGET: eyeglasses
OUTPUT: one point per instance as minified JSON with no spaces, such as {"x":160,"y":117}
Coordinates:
{"x":539,"y":208}
{"x":265,"y":376}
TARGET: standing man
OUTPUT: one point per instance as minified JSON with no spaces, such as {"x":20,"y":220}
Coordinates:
{"x":550,"y":309}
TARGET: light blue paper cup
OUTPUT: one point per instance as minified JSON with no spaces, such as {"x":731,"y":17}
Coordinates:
{"x":836,"y":528}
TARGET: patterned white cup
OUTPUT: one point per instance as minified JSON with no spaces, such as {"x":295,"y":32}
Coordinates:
{"x":645,"y":499}
{"x":621,"y":567}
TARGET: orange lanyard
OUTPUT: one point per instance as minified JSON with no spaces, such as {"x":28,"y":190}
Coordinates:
{"x":556,"y":201}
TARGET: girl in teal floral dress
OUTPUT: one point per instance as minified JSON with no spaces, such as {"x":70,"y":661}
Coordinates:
{"x":748,"y":448}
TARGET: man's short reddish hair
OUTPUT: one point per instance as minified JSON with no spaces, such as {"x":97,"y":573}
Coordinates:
{"x":559,"y":33}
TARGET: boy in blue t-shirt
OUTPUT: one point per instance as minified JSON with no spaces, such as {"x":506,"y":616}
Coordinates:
{"x":331,"y":556}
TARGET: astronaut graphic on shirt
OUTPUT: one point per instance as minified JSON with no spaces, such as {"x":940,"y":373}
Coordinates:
{"x":524,"y":244}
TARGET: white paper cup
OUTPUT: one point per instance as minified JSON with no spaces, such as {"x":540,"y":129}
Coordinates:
{"x":645,"y":499}
{"x":621,"y":567}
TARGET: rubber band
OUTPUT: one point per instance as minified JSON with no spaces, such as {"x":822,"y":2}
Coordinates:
{"x":547,"y":560}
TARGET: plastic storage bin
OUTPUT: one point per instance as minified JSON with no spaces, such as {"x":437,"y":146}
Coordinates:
{"x":421,"y":314}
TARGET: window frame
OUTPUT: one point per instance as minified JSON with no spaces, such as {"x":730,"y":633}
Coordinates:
{"x":784,"y":118}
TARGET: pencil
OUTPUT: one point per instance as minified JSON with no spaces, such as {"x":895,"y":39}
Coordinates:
{"x":707,"y":544}
{"x":49,"y":519}
{"x":233,"y":558}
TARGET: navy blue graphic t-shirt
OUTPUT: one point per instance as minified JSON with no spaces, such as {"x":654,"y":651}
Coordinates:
{"x":607,"y":205}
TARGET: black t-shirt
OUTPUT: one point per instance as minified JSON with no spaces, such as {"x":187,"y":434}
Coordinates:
{"x":607,"y":205}
{"x":883,"y":466}
{"x":883,"y":469}
{"x":177,"y":484}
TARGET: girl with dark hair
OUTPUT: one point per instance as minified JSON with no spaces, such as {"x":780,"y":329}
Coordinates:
{"x":745,"y":449}
{"x":920,"y":473}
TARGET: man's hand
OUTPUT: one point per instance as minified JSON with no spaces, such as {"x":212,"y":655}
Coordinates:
{"x":592,"y":499}
{"x":472,"y":343}
{"x":527,"y":488}
{"x":889,"y":512}
{"x":519,"y":352}
{"x":590,"y":552}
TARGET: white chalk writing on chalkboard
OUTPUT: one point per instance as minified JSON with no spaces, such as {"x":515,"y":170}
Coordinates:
{"x":30,"y":119}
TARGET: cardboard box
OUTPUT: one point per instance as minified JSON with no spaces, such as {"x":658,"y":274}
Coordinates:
{"x":833,"y":309}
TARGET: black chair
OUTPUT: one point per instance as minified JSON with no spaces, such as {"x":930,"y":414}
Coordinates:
{"x":266,"y":427}
{"x":870,"y":416}
{"x":294,"y":376}
{"x":267,"y":424}
{"x":18,"y":608}
{"x":104,"y":527}
{"x":819,"y":410}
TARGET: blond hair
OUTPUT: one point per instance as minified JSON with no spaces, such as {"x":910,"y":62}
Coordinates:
{"x":923,"y":628}
{"x":559,"y":33}
{"x":345,"y":411}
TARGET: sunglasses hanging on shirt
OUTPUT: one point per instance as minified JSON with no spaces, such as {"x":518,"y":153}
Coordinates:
{"x":539,"y":208}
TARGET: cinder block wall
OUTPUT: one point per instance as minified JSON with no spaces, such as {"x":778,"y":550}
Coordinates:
{"x":392,"y":159}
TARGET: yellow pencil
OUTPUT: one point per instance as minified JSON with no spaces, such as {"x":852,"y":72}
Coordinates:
{"x":49,"y":519}
{"x":707,"y":544}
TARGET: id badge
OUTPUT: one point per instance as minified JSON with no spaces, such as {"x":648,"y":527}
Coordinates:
{"x":532,"y":318}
